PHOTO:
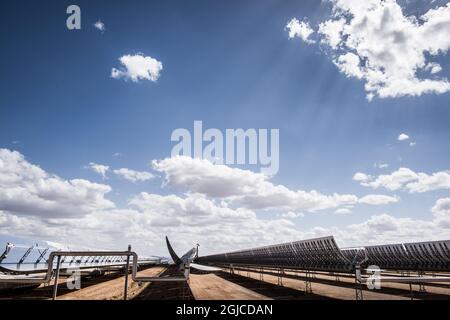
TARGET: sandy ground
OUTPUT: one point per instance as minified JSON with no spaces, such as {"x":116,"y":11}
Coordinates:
{"x":327,"y":286}
{"x":112,"y":289}
{"x":436,"y":289}
{"x":212,"y":287}
{"x":172,"y":290}
{"x":323,"y":290}
{"x":245,"y":284}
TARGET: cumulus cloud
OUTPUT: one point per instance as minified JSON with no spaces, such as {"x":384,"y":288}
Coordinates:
{"x":26,"y":189}
{"x":402,"y":137}
{"x":386,"y":228}
{"x":349,"y":63}
{"x":361,"y":177}
{"x":381,"y":165}
{"x":138,"y":67}
{"x":378,"y":199}
{"x":39,"y":205}
{"x":292,"y":215}
{"x":391,"y":52}
{"x":299,"y":29}
{"x":99,"y":25}
{"x":441,"y":212}
{"x":244,"y":188}
{"x":408,"y":180}
{"x":101,"y":169}
{"x":343,"y":211}
{"x":134,"y":176}
{"x":194,"y":209}
{"x":331,"y":30}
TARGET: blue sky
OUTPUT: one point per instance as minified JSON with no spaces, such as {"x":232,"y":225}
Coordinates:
{"x":230,"y":64}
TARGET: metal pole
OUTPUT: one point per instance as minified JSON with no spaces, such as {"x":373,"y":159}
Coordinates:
{"x":198,"y":245}
{"x":55,"y":285}
{"x":125,"y":291}
{"x":411,"y":291}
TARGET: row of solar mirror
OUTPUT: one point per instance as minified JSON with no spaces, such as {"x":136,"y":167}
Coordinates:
{"x":19,"y":254}
{"x":317,"y":254}
{"x":433,"y":255}
{"x":16,"y":254}
{"x":323,"y":253}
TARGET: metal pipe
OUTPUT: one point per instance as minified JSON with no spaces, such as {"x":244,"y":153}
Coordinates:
{"x":125,"y":291}
{"x":55,"y":286}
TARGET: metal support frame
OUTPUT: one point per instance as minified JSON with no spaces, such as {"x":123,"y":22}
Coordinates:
{"x":337,"y":277}
{"x":185,"y":288}
{"x":280,"y":276}
{"x":358,"y":284}
{"x":51,"y":273}
{"x":25,"y":255}
{"x":55,"y":286}
{"x":127,"y":267}
{"x":422,"y":288}
{"x":41,"y":256}
{"x":8,"y":248}
{"x":411,"y":292}
{"x":308,"y":284}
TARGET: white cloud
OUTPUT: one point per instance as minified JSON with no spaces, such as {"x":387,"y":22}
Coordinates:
{"x":292,"y":215}
{"x":361,"y":177}
{"x":441,"y":211}
{"x":99,"y":25}
{"x":343,"y":211}
{"x":36,"y":204}
{"x":375,"y":41}
{"x":133,"y":175}
{"x":138,"y":67}
{"x":186,"y":220}
{"x":349,"y":64}
{"x":332,"y":32}
{"x":412,"y":144}
{"x":99,"y":168}
{"x":381,"y":165}
{"x":385,"y":228}
{"x":194,"y":209}
{"x":433,"y":67}
{"x":299,"y":29}
{"x":407,"y":179}
{"x":378,"y":199}
{"x":402,"y":137}
{"x":26,"y":189}
{"x":244,"y":188}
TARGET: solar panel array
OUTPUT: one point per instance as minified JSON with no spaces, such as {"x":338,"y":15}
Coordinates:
{"x":33,"y":259}
{"x":320,"y":254}
{"x":323,"y":254}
